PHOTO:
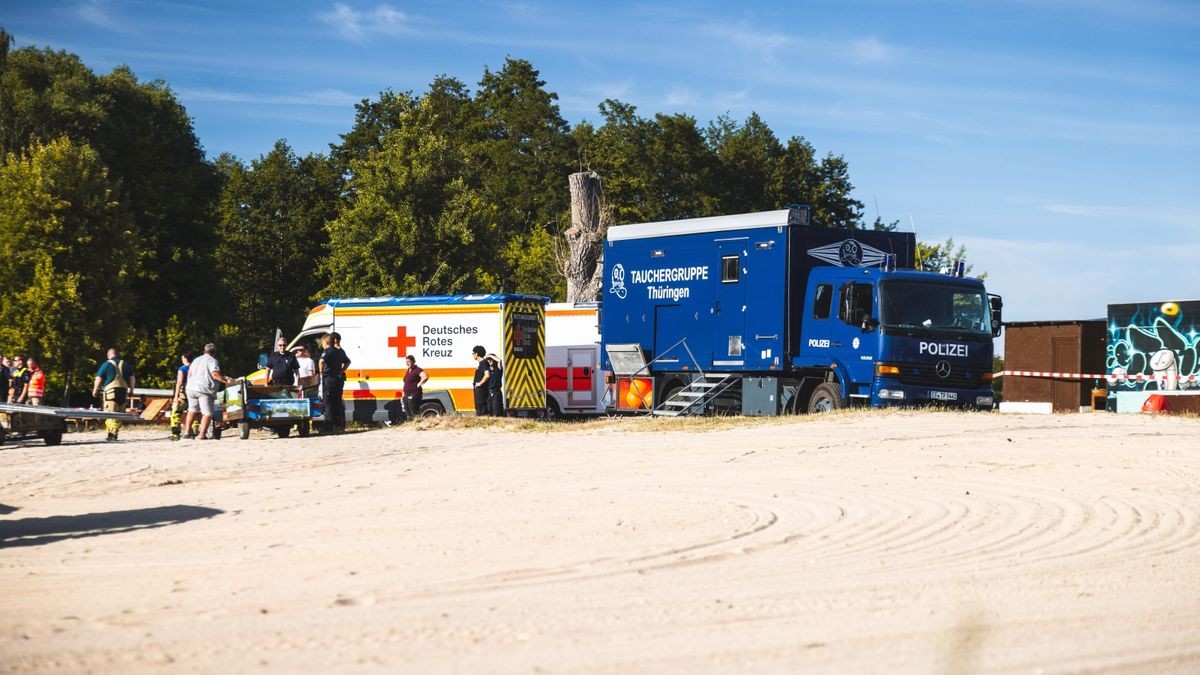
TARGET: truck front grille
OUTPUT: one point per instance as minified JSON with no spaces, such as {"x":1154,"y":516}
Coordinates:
{"x":926,"y":376}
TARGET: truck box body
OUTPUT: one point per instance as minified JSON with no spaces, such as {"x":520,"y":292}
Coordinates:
{"x":574,"y":380}
{"x":439,"y":332}
{"x":766,"y":293}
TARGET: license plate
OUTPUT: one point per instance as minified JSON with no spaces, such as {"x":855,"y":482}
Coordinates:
{"x":943,"y":395}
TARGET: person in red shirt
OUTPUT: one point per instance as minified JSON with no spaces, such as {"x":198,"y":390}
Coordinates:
{"x":36,"y":389}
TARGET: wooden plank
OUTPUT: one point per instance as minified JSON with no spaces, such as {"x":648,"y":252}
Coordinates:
{"x":154,"y":407}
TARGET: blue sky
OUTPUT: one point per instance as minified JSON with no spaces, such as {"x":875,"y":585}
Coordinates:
{"x":1059,"y":140}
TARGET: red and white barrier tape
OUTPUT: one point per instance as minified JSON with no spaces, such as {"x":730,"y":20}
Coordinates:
{"x":1098,"y":376}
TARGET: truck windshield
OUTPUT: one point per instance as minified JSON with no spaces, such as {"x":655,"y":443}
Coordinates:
{"x":932,"y":306}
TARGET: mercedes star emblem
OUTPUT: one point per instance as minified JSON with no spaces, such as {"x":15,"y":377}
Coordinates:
{"x":943,"y":369}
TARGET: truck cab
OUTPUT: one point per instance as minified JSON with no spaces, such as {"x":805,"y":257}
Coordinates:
{"x":900,"y":337}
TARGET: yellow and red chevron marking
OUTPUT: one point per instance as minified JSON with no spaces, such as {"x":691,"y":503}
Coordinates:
{"x":525,"y":377}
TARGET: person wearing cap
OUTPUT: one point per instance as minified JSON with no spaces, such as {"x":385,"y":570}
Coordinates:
{"x":36,"y":389}
{"x":332,"y":367}
{"x":495,"y":386}
{"x":116,"y":378}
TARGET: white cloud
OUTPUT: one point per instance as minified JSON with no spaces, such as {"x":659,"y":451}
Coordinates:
{"x":325,"y":97}
{"x":358,"y":25}
{"x":747,"y":37}
{"x":96,"y":13}
{"x":679,"y":97}
{"x":871,"y":50}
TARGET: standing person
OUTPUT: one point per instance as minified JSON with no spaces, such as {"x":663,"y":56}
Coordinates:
{"x":5,"y":376}
{"x":18,"y":379}
{"x":482,"y":373}
{"x":37,"y":383}
{"x":334,"y":363}
{"x":495,"y":384}
{"x":414,"y":384}
{"x":282,"y":365}
{"x":203,"y":376}
{"x":307,"y":367}
{"x":115,"y":376}
{"x":179,"y":404}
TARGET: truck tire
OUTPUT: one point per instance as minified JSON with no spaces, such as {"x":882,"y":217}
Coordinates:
{"x":553,"y":412}
{"x":303,"y":429}
{"x":52,"y":437}
{"x":431,"y":409}
{"x":284,"y":432}
{"x":244,"y":430}
{"x":827,"y":397}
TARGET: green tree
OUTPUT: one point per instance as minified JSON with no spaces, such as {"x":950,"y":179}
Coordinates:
{"x":942,"y":257}
{"x":144,"y":136}
{"x":66,"y":296}
{"x":520,"y":159}
{"x":414,"y":224}
{"x":272,"y":236}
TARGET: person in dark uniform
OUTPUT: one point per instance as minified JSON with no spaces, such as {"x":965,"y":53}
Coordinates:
{"x":495,"y":384}
{"x":482,"y":373}
{"x":333,"y":378}
{"x":282,"y":365}
{"x":5,"y":375}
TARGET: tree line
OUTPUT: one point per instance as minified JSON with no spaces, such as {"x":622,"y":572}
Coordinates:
{"x":120,"y":230}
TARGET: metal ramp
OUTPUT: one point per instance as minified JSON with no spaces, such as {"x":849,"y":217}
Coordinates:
{"x":695,"y":397}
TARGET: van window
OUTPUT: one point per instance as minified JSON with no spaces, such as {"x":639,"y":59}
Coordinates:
{"x":822,"y":301}
{"x":730,"y":269}
{"x":856,"y":303}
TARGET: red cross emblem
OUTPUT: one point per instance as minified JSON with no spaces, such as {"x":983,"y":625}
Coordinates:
{"x":401,"y":341}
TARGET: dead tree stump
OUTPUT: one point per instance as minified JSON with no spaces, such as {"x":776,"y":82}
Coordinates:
{"x":583,"y":265}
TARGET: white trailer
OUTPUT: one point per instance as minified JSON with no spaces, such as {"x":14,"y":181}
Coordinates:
{"x":574,"y":380}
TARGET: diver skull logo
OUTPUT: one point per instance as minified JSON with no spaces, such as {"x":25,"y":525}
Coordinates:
{"x":850,"y":254}
{"x":617,"y":287}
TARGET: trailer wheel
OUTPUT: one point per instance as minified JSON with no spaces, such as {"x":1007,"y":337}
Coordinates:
{"x":431,"y":409}
{"x":283,"y":432}
{"x":244,"y":430}
{"x":52,"y":437}
{"x":303,"y":429}
{"x":553,"y":412}
{"x":827,"y":397}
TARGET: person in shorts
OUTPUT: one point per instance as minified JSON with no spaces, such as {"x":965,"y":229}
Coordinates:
{"x":203,"y":383}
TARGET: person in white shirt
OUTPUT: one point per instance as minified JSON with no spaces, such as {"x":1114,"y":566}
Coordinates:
{"x":307,"y":366}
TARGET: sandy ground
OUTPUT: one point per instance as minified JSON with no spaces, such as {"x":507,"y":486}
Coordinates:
{"x":867,"y":542}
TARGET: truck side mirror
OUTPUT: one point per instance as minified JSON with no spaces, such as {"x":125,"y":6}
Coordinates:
{"x":869,"y":324}
{"x":997,"y":306}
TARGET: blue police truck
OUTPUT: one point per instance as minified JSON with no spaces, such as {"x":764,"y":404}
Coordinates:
{"x":764,"y":313}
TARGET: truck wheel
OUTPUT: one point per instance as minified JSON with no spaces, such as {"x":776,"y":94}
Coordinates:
{"x":827,"y":397}
{"x":283,"y":432}
{"x":244,"y":430}
{"x":51,"y":437}
{"x":553,"y":412}
{"x":431,"y":409}
{"x":304,"y":429}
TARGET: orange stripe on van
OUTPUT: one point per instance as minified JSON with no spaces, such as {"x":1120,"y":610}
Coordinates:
{"x":426,"y":309}
{"x":570,"y":312}
{"x":398,"y":373}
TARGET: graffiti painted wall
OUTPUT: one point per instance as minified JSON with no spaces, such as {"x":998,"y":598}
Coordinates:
{"x":1160,"y":341}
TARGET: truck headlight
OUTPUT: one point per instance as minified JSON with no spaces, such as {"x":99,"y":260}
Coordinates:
{"x":983,"y":400}
{"x":893,"y":394}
